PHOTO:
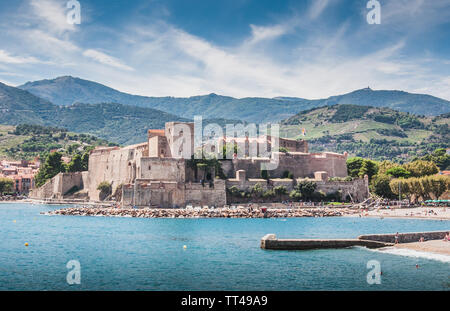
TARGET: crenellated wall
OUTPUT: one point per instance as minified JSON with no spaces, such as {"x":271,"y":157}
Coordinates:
{"x":300,"y":164}
{"x":357,"y":188}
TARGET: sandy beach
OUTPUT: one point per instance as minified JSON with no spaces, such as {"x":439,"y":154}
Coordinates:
{"x":421,"y":213}
{"x":434,"y":246}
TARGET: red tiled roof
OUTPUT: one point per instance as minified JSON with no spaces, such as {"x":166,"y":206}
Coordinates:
{"x":157,"y":132}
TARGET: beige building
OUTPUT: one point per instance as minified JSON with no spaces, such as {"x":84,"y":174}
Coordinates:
{"x":159,"y":172}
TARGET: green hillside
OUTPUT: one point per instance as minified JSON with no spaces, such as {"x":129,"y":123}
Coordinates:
{"x":28,"y":141}
{"x":377,"y":133}
{"x":114,"y":122}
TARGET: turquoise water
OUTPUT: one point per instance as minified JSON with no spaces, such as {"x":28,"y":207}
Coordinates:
{"x":221,"y":254}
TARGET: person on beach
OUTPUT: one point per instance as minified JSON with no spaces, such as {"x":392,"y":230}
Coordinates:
{"x":447,"y":237}
{"x":396,"y":238}
{"x":421,"y":239}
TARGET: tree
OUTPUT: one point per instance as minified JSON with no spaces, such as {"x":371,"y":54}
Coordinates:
{"x":398,"y":172}
{"x":6,"y":185}
{"x":354,"y":165}
{"x":52,"y":166}
{"x":440,"y":157}
{"x":415,"y":187}
{"x":85,"y":162}
{"x":369,"y":168}
{"x":295,"y":195}
{"x":385,"y":165}
{"x":436,"y":185}
{"x":380,"y":186}
{"x":306,"y":189}
{"x":421,"y":168}
{"x":399,"y":185}
{"x":76,"y":165}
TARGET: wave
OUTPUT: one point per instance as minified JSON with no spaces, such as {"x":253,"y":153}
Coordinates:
{"x":415,"y":254}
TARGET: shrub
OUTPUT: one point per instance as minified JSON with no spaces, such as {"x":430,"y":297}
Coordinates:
{"x":257,"y":190}
{"x":105,"y":189}
{"x":268,"y":194}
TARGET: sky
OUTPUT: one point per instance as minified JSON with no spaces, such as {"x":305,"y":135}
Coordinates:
{"x":241,"y":48}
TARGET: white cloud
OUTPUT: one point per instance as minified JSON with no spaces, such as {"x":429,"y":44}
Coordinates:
{"x":317,"y":7}
{"x":106,"y":59}
{"x":262,"y":33}
{"x":5,"y":57}
{"x":53,"y":13}
{"x":158,"y":59}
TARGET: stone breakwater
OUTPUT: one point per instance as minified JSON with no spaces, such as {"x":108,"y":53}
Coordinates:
{"x":204,"y":212}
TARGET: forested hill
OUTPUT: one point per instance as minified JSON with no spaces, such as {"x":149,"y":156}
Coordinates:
{"x":114,"y":122}
{"x":372,"y":132}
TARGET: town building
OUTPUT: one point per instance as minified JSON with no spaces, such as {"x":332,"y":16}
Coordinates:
{"x":21,"y":172}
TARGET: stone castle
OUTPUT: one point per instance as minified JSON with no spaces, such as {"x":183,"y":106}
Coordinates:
{"x":155,"y":174}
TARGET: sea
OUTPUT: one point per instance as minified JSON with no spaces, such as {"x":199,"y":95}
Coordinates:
{"x":38,"y":252}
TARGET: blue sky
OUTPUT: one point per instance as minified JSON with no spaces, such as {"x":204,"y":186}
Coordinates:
{"x":267,"y":48}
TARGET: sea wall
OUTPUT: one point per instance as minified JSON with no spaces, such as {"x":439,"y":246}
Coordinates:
{"x":405,"y":237}
{"x":271,"y":242}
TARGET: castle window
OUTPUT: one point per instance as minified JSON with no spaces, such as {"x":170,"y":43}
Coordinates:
{"x":149,"y":167}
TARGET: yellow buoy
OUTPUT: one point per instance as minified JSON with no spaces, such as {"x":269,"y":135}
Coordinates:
{"x":26,"y":244}
{"x":184,"y":246}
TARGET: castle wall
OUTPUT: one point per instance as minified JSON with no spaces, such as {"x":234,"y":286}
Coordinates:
{"x":115,"y":165}
{"x":165,"y":169}
{"x":332,"y":163}
{"x":299,"y":164}
{"x":358,"y":188}
{"x":59,"y":185}
{"x":197,"y":195}
{"x":293,"y":145}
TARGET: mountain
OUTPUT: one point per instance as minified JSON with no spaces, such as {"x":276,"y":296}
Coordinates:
{"x":67,"y":90}
{"x":114,"y":122}
{"x":418,"y":104}
{"x":375,"y":132}
{"x":18,"y":106}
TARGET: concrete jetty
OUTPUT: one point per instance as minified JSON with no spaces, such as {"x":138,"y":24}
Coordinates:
{"x":409,"y":237}
{"x":270,"y":241}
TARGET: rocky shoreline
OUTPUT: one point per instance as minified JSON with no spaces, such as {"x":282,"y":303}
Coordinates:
{"x":239,"y":212}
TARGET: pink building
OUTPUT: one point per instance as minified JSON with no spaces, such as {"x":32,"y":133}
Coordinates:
{"x":21,"y":172}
